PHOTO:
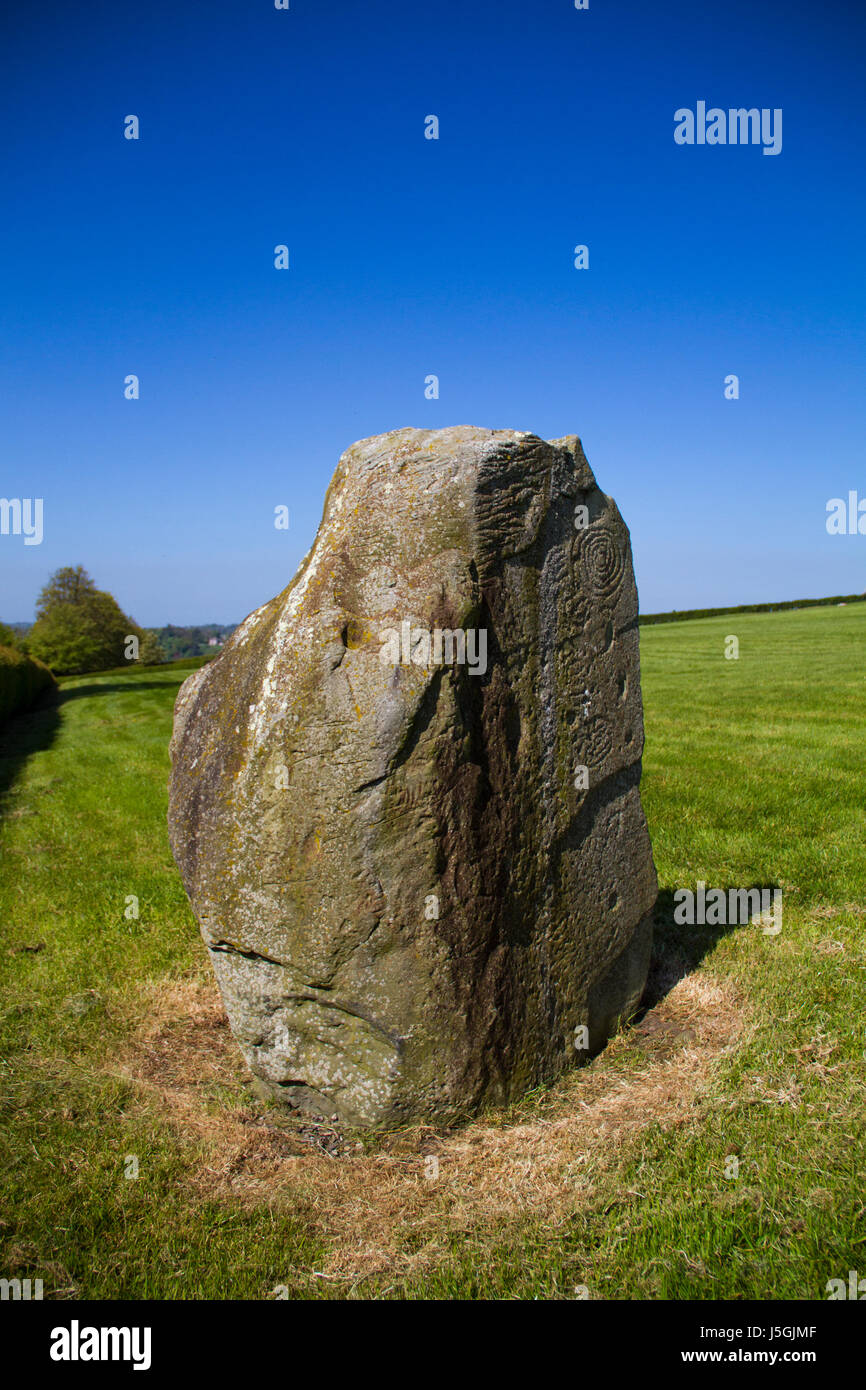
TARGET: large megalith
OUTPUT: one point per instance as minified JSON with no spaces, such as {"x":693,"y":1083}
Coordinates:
{"x":405,"y":796}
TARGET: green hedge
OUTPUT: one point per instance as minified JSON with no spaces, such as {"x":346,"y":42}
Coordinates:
{"x":678,"y":617}
{"x":22,"y":681}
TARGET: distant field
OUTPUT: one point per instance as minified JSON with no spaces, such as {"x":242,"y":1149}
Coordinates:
{"x":715,"y":1150}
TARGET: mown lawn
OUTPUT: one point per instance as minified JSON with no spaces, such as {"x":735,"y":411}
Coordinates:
{"x":754,"y":774}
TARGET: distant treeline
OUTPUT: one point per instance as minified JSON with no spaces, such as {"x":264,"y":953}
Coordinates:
{"x":180,"y":642}
{"x":678,"y":617}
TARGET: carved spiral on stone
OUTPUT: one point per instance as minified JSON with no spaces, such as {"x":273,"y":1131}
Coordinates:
{"x":602,"y":562}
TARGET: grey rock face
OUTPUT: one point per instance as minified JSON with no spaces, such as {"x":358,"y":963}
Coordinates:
{"x":405,"y":797}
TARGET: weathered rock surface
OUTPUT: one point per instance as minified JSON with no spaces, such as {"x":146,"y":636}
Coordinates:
{"x":413,"y":897}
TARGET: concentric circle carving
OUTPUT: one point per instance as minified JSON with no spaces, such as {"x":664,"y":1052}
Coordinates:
{"x":602,"y":562}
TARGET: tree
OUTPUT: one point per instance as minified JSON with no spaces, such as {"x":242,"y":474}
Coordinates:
{"x":9,"y":637}
{"x":71,"y":584}
{"x":79,"y":627}
{"x":150,"y":652}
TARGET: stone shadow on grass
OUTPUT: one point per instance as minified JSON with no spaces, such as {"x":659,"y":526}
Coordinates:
{"x":678,"y":948}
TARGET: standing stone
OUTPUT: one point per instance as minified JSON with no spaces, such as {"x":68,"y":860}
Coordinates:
{"x":420,"y":862}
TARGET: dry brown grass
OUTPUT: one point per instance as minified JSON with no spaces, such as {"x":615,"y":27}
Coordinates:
{"x":378,"y":1209}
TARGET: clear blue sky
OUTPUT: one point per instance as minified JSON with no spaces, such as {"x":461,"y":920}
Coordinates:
{"x":411,"y":257}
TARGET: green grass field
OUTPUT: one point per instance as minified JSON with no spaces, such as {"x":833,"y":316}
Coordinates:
{"x":713,"y":1152}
